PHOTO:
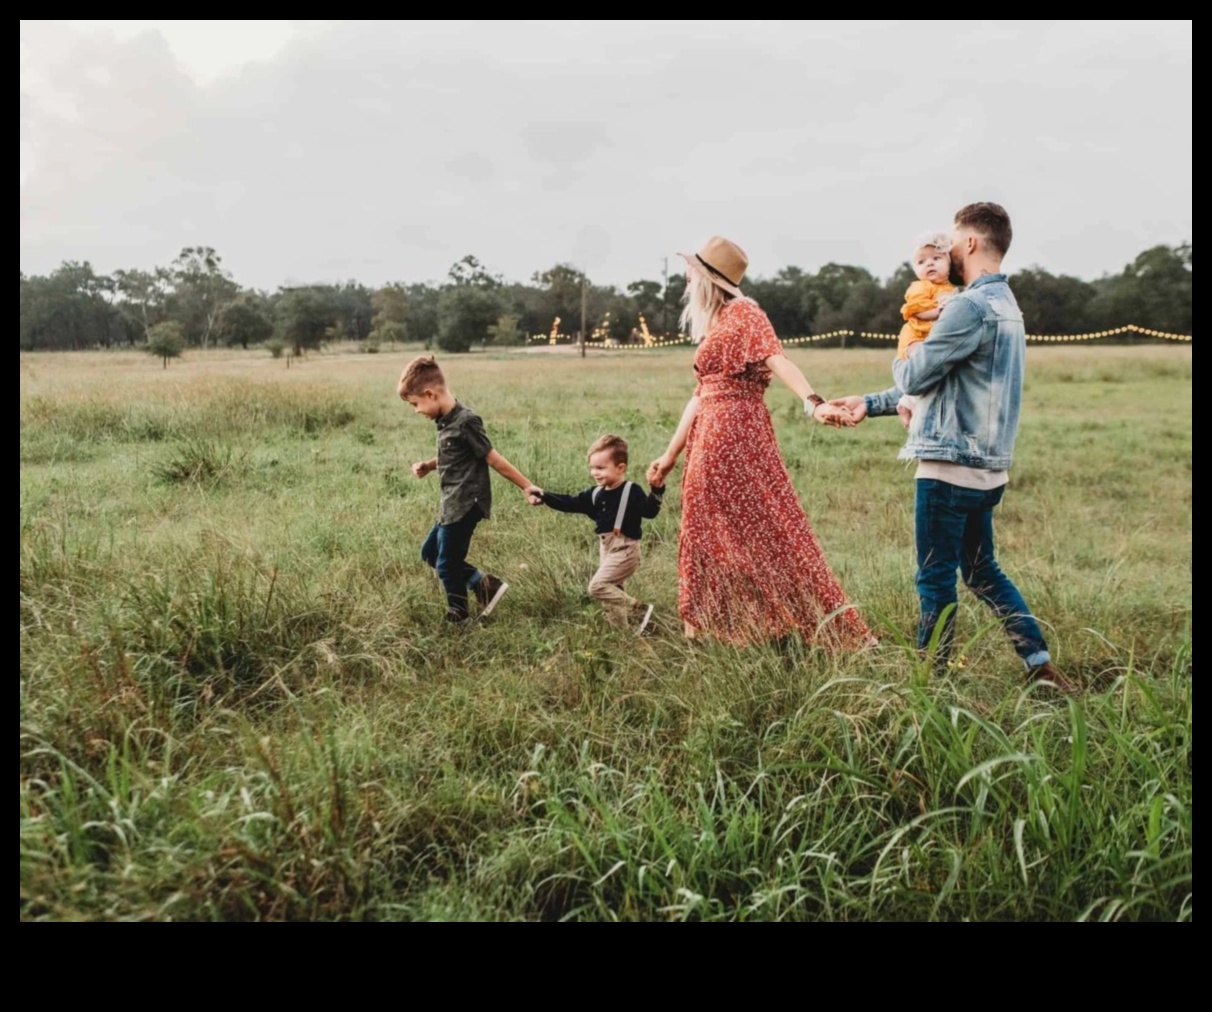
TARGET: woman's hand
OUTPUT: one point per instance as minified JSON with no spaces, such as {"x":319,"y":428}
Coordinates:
{"x":660,"y":468}
{"x":834,"y":414}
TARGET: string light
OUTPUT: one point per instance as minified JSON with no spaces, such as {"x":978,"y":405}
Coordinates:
{"x":1066,"y":338}
{"x":652,"y":341}
{"x":813,"y":338}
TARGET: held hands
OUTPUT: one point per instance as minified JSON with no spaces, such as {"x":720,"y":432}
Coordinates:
{"x":855,"y":405}
{"x":421,"y":468}
{"x":659,"y":469}
{"x":835,"y":414}
{"x":534,"y":495}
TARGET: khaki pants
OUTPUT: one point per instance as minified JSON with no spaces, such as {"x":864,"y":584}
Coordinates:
{"x":620,"y":558}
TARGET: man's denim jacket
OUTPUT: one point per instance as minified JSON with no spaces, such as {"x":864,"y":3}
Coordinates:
{"x":968,"y":378}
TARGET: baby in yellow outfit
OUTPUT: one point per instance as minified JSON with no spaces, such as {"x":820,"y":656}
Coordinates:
{"x":924,"y":300}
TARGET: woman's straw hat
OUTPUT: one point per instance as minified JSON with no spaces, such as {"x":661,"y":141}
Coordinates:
{"x":723,"y":262}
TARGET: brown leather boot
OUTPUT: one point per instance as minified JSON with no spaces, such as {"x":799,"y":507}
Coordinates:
{"x":1055,"y":682}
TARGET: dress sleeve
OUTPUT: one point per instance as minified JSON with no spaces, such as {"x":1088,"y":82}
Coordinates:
{"x":919,"y":297}
{"x":747,"y":337}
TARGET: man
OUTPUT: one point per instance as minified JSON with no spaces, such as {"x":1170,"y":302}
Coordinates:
{"x":968,"y":378}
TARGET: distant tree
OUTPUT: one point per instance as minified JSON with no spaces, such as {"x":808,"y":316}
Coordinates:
{"x":789,"y":300}
{"x":69,"y":309}
{"x":465,"y":312}
{"x":468,"y":305}
{"x":1154,"y":291}
{"x":1053,"y":304}
{"x":391,"y":313}
{"x":559,"y":295}
{"x":353,"y":311}
{"x":75,"y":307}
{"x":141,"y":300}
{"x":885,"y":310}
{"x":469,"y":271}
{"x":861,"y":305}
{"x":422,"y":318}
{"x":505,"y":331}
{"x":165,"y":340}
{"x":305,"y":316}
{"x":245,"y":321}
{"x":200,"y":289}
{"x":646,"y":299}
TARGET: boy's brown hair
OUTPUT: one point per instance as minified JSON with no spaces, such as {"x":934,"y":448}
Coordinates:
{"x":617,"y":446}
{"x":990,"y":220}
{"x":421,"y":374}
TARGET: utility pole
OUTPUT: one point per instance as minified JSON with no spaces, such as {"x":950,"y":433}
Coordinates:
{"x":665,"y":301}
{"x":583,"y":282}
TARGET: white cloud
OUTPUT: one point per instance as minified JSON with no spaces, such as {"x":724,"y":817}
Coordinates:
{"x":388,"y":150}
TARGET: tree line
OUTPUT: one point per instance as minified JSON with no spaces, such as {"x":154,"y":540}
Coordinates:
{"x":195,"y":302}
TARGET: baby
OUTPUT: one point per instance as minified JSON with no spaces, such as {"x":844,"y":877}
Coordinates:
{"x":924,"y":300}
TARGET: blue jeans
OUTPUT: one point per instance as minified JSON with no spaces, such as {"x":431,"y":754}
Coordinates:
{"x":445,"y":549}
{"x":955,"y":531}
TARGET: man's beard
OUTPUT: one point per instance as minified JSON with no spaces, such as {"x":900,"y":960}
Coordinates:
{"x":956,"y":275}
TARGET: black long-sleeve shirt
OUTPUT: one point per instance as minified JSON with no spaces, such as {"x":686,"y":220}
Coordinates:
{"x":604,"y":510}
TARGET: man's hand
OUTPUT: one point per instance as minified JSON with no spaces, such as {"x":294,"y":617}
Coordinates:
{"x":534,"y":495}
{"x":837,"y":415}
{"x":905,"y":415}
{"x":422,"y":467}
{"x":856,"y":405}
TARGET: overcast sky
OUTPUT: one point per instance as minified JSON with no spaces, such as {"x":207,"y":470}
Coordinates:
{"x":310,"y":151}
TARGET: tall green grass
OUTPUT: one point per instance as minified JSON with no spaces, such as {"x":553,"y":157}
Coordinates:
{"x":238,"y":700}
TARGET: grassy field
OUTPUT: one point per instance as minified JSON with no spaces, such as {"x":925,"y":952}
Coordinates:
{"x":238,"y":700}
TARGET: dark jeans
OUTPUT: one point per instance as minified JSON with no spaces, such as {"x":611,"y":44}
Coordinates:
{"x":955,"y":531}
{"x":446,"y":551}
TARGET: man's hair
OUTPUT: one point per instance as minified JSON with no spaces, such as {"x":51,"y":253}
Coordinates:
{"x":990,"y":221}
{"x":617,"y":446}
{"x":421,"y":374}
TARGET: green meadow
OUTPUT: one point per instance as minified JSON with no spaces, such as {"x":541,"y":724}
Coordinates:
{"x":239,"y":701}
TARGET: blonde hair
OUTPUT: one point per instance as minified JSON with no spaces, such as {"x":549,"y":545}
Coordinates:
{"x":934,"y":240}
{"x":421,"y":374}
{"x":703,"y":300}
{"x":617,"y":446}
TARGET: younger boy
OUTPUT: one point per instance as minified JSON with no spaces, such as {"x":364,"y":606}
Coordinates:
{"x":464,"y":457}
{"x":617,"y":507}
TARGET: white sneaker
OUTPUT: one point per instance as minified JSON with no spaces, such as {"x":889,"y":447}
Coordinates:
{"x":644,"y":621}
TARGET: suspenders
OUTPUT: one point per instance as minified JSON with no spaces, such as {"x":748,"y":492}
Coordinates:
{"x":618,"y":517}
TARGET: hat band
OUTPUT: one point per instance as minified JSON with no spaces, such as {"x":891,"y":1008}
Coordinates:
{"x":718,"y":274}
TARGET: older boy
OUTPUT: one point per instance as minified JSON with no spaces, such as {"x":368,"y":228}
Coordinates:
{"x":464,"y":456}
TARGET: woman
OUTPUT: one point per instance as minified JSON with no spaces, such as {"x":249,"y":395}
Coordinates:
{"x":749,"y":565}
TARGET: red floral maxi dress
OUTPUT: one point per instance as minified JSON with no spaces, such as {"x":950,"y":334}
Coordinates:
{"x":749,"y":565}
